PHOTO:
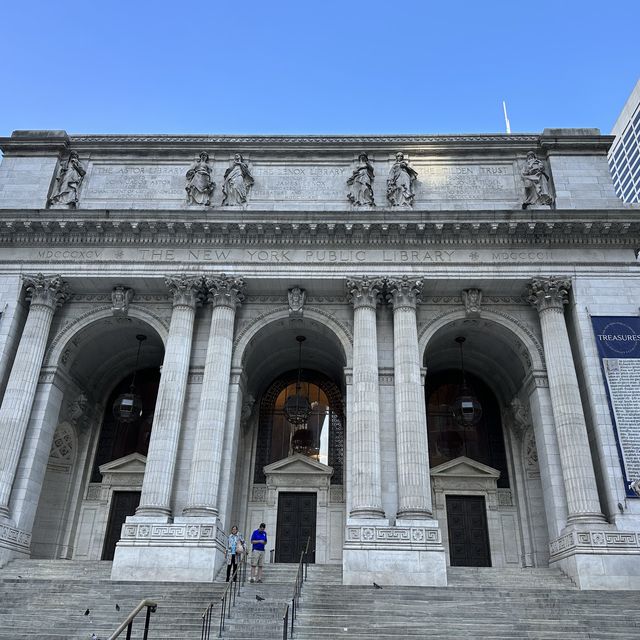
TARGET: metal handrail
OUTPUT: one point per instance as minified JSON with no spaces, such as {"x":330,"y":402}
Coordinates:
{"x":301,"y":576}
{"x":128,"y":623}
{"x":285,"y":622}
{"x":227,"y":600}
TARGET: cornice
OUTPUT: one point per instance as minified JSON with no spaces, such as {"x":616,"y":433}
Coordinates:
{"x":611,"y":227}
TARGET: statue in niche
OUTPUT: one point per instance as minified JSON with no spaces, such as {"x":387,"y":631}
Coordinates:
{"x":361,"y":183}
{"x":536,"y":182}
{"x":199,"y":185}
{"x":400,"y":183}
{"x":237,"y":182}
{"x":68,"y":181}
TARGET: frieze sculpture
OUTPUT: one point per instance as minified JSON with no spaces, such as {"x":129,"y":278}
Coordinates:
{"x":199,"y":185}
{"x":400,"y":183}
{"x":121,"y":297}
{"x":237,"y":182}
{"x":536,"y":182}
{"x":472,"y":299}
{"x":635,"y":487}
{"x":70,"y":176}
{"x":297,"y":297}
{"x":361,"y":183}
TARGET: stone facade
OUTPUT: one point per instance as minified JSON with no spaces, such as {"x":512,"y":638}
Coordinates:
{"x":380,"y":250}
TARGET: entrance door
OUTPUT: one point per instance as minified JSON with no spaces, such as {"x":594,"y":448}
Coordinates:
{"x":123,"y":504}
{"x":296,"y":523}
{"x":468,"y":533}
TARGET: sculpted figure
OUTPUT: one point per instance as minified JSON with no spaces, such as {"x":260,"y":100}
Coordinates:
{"x":68,"y":181}
{"x":237,"y":182}
{"x":635,"y":487}
{"x":297,"y":298}
{"x":361,"y":183}
{"x":199,"y":185}
{"x":400,"y":183}
{"x":536,"y":182}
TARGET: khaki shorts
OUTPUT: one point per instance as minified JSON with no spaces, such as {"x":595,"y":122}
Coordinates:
{"x":257,"y":558}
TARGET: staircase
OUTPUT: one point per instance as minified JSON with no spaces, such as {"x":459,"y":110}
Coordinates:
{"x":47,"y":599}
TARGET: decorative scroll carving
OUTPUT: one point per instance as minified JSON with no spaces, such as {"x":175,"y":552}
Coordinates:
{"x":186,"y":290}
{"x":237,"y":182}
{"x":225,"y":290}
{"x":520,"y":418}
{"x":472,"y":299}
{"x":530,"y":454}
{"x":51,"y":291}
{"x":403,"y":292}
{"x":361,"y":183}
{"x":70,"y":176}
{"x":400,"y":183}
{"x":121,"y":298}
{"x":199,"y":185}
{"x":549,"y":293}
{"x":536,"y":182}
{"x":297,"y":297}
{"x":247,"y":410}
{"x":365,"y":292}
{"x":78,"y":410}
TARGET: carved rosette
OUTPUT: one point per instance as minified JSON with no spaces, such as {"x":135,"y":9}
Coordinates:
{"x":48,"y":291}
{"x":549,"y":293}
{"x":404,"y":292}
{"x":186,"y":290}
{"x":366,"y":292}
{"x":225,"y":291}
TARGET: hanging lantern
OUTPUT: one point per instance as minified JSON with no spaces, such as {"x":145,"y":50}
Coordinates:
{"x":466,"y":408}
{"x":128,"y":406}
{"x":297,"y":408}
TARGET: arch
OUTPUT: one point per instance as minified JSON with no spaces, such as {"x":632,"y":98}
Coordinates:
{"x":257,"y":324}
{"x":59,"y":344}
{"x":513,"y":325}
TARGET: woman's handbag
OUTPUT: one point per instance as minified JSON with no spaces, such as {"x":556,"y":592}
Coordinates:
{"x":239,"y":548}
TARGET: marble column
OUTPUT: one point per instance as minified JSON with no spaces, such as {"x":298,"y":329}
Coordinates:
{"x":549,"y":295}
{"x":364,"y":426}
{"x":226,"y":294}
{"x":157,"y":486}
{"x":414,"y":490}
{"x":45,"y":294}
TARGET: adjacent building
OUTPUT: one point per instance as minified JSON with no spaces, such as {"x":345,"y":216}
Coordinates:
{"x":413,"y":351}
{"x":624,"y":155}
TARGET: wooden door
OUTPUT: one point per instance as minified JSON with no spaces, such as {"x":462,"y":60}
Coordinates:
{"x":468,"y":532}
{"x":123,"y":504}
{"x":296,"y":523}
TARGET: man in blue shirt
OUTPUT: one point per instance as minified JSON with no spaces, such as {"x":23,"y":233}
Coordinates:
{"x":258,"y":541}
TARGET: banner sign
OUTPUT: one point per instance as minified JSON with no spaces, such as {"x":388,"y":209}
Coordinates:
{"x":618,"y":340}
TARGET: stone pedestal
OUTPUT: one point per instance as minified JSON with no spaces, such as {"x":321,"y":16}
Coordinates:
{"x":409,"y":553}
{"x":189,"y":549}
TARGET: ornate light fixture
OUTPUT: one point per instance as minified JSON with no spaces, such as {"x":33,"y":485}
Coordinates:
{"x":466,"y":408}
{"x":128,"y":406}
{"x":297,"y":410}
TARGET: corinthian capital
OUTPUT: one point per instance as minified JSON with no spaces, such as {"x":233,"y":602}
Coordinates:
{"x":549,"y":293}
{"x":403,"y":292}
{"x":50,"y":291}
{"x":365,"y":292}
{"x":187,"y":290}
{"x":225,"y":290}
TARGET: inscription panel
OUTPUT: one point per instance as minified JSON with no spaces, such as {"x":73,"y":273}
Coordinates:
{"x":299,"y":182}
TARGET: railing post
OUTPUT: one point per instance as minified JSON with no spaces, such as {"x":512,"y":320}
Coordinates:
{"x":129,"y":627}
{"x":150,"y":610}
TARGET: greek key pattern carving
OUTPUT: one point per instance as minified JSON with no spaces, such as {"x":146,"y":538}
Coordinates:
{"x":179,"y":533}
{"x":594,"y":542}
{"x":403,"y":536}
{"x":15,"y":537}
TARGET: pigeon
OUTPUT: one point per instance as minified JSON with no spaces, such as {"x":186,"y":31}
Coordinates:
{"x":117,"y":607}
{"x":87,"y":612}
{"x":259,"y":598}
{"x":376,"y":585}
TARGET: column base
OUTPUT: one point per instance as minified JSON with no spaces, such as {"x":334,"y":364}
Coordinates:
{"x":410,"y":553}
{"x":598,"y":559}
{"x":187,"y":550}
{"x":14,"y":543}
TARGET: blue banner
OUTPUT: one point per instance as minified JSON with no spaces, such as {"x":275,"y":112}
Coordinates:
{"x":618,"y":341}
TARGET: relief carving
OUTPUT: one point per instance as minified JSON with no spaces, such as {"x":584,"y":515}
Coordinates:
{"x":536,"y":183}
{"x":70,"y":176}
{"x":361,"y":183}
{"x":297,"y":297}
{"x":121,"y":298}
{"x":237,"y":183}
{"x":199,"y":185}
{"x":472,"y":299}
{"x":400,"y":183}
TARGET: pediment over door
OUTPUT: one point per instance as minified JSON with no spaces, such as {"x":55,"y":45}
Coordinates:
{"x":298,"y":471}
{"x":127,"y":471}
{"x":464,"y":475}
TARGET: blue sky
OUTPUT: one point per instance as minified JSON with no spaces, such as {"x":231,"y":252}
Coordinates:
{"x":107,"y":66}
